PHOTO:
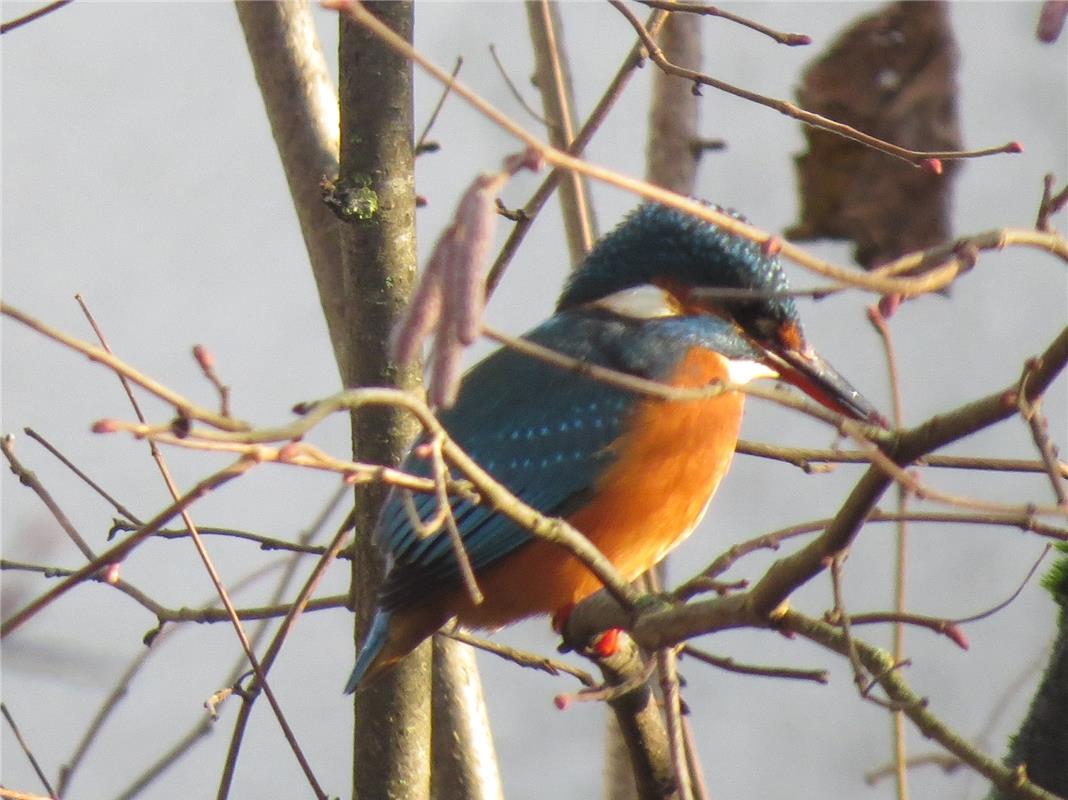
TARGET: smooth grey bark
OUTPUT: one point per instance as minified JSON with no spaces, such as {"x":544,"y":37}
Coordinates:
{"x":465,"y":760}
{"x":391,"y":757}
{"x":553,"y":78}
{"x":301,"y":104}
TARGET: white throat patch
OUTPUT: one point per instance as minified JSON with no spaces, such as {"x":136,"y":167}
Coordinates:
{"x":740,"y":372}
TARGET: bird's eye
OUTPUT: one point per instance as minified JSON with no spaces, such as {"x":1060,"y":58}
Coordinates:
{"x":766,"y":328}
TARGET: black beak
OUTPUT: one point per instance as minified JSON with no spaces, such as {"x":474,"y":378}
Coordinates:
{"x":808,"y":371}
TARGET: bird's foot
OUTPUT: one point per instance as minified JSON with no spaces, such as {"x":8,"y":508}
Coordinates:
{"x":606,"y":643}
{"x":603,"y":645}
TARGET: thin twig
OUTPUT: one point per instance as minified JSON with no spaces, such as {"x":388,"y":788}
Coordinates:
{"x":634,"y":59}
{"x":955,"y":258}
{"x":183,"y":406}
{"x":730,"y":665}
{"x":29,"y":479}
{"x":557,"y":531}
{"x":441,"y":478}
{"x":943,"y":627}
{"x":553,"y":76}
{"x":206,"y":361}
{"x":420,"y":143}
{"x":1050,"y":204}
{"x":917,"y":158}
{"x":521,"y":657}
{"x":1007,"y":601}
{"x":663,"y":391}
{"x":200,"y":615}
{"x":122,"y":509}
{"x":669,"y":690}
{"x":515,"y":90}
{"x":266,"y":543}
{"x":841,"y":617}
{"x":260,"y":683}
{"x":123,"y":548}
{"x":203,"y":727}
{"x":298,"y":454}
{"x":36,"y":14}
{"x":607,"y":692}
{"x":27,"y":751}
{"x":772,"y":540}
{"x":206,"y":365}
{"x":697,"y":778}
{"x":111,"y":702}
{"x":1012,"y":782}
{"x":898,"y":746}
{"x":947,"y":763}
{"x":788,"y":39}
{"x":1031,"y":411}
{"x":807,"y":459}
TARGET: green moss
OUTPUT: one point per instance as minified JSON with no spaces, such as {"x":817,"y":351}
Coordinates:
{"x":1056,"y":580}
{"x":363,"y":203}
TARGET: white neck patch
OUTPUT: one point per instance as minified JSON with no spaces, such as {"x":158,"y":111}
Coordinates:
{"x":741,"y":372}
{"x":640,"y":302}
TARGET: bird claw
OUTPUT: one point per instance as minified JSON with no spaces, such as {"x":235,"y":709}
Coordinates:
{"x":607,"y":643}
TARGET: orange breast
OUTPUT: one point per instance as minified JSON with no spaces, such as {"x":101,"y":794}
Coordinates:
{"x":667,"y":467}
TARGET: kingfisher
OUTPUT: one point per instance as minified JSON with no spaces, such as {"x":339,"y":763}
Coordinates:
{"x":632,"y":472}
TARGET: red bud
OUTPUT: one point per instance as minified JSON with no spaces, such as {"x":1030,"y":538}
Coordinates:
{"x":932,"y":165}
{"x":289,"y":451}
{"x":204,"y":357}
{"x":957,"y":635}
{"x":888,"y":304}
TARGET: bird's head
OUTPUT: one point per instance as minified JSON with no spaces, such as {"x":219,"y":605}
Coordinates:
{"x":663,"y":257}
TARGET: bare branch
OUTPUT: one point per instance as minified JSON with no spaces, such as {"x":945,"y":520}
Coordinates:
{"x":1014,"y":783}
{"x":730,"y":665}
{"x":36,"y":14}
{"x":27,"y":751}
{"x":553,"y":78}
{"x":788,"y":39}
{"x":918,"y":158}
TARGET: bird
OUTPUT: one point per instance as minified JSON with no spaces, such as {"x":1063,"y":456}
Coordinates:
{"x":633,"y":473}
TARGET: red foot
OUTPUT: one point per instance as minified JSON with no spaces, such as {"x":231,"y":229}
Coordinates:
{"x":559,"y":619}
{"x":607,"y":643}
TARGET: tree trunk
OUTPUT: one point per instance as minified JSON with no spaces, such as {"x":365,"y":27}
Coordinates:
{"x":391,"y":756}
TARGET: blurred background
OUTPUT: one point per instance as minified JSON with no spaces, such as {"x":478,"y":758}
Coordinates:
{"x":139,"y":171}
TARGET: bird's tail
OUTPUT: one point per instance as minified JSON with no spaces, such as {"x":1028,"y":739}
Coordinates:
{"x":376,"y":640}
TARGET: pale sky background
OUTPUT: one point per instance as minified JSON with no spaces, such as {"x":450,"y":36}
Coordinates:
{"x":139,"y":170}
